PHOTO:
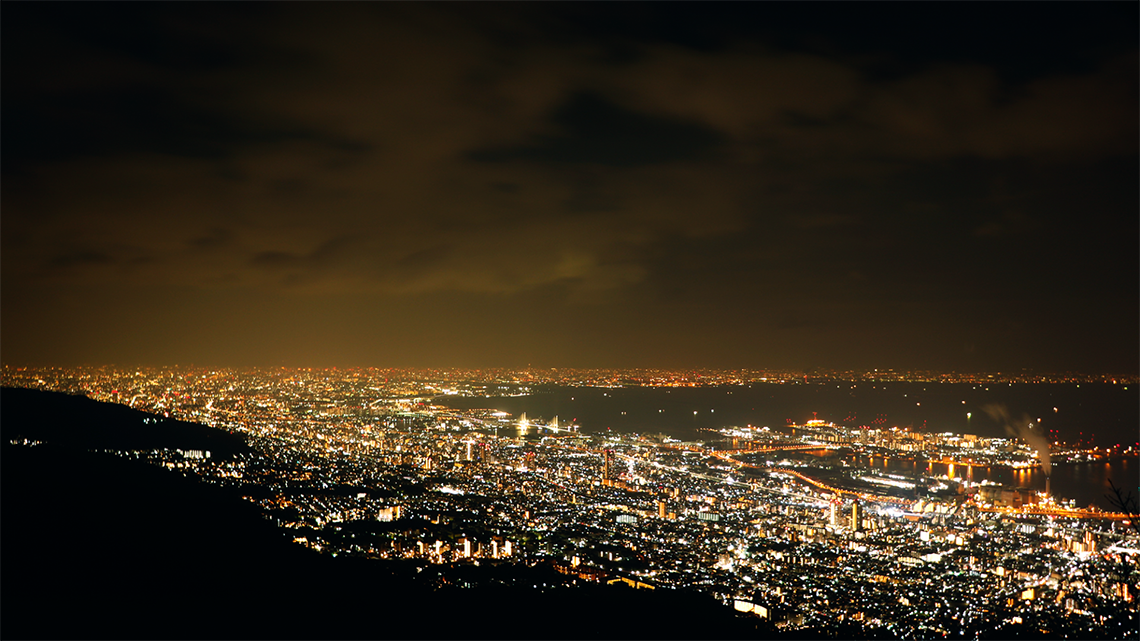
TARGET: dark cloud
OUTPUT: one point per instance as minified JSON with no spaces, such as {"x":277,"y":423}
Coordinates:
{"x":664,"y":183}
{"x":274,"y":259}
{"x":214,"y":238}
{"x":594,"y":131}
{"x":80,"y":258}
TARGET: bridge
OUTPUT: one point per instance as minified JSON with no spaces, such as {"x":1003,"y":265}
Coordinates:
{"x":873,"y":498}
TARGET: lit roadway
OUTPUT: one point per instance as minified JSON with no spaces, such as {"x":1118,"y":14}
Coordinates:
{"x":1040,"y":510}
{"x":777,"y":448}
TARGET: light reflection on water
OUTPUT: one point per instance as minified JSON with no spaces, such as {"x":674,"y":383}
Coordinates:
{"x":1087,"y":483}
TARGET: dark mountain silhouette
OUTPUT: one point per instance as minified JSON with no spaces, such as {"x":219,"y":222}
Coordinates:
{"x":77,"y":421}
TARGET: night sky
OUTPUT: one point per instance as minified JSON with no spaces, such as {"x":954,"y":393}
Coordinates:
{"x":743,"y":185}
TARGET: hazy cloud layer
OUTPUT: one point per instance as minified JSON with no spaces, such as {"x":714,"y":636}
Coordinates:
{"x":386,"y":151}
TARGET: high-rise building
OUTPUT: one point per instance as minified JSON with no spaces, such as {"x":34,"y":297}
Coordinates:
{"x":855,"y":515}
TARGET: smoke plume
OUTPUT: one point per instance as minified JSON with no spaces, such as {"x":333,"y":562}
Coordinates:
{"x":1025,"y":430}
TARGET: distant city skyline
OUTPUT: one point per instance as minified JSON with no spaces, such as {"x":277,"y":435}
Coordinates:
{"x":637,"y":376}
